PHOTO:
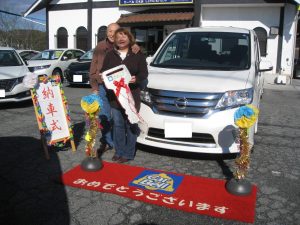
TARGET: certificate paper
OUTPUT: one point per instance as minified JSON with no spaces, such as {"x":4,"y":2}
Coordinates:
{"x":117,"y":79}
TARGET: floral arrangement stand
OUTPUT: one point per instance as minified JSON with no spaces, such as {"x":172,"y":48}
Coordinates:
{"x":91,"y":104}
{"x":51,"y":111}
{"x":245,"y":117}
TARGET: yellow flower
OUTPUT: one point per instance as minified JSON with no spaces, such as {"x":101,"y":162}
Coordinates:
{"x":88,"y":137}
{"x":90,"y":108}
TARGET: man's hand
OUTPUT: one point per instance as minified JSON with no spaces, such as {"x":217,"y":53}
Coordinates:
{"x":135,"y":48}
{"x":99,"y":78}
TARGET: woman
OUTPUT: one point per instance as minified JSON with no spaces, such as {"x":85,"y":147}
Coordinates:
{"x":124,"y":133}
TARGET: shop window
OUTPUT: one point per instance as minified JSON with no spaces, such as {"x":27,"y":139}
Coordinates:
{"x":82,"y":38}
{"x":62,"y":38}
{"x":101,"y":33}
{"x":262,"y":36}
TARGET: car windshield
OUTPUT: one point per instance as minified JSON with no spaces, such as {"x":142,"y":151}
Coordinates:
{"x":88,"y":55}
{"x":9,"y":58}
{"x":48,"y":55}
{"x":205,"y":50}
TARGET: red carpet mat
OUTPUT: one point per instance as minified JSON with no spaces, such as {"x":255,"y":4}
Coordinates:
{"x":188,"y":193}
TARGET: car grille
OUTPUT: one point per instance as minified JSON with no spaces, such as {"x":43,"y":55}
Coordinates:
{"x":196,"y":137}
{"x":7,"y":84}
{"x":188,"y":104}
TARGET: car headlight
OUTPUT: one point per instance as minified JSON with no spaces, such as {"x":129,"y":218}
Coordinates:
{"x":19,"y":80}
{"x":236,"y":98}
{"x":41,"y":67}
{"x":145,"y":97}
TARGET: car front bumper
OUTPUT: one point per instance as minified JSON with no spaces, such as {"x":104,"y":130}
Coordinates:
{"x":17,"y":94}
{"x":214,"y":133}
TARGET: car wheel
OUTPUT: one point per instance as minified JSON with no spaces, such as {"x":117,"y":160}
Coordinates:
{"x":58,"y":72}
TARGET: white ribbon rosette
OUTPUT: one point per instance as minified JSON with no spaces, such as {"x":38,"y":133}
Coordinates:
{"x":117,"y":79}
{"x":30,"y":80}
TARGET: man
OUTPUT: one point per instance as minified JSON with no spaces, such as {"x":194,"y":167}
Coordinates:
{"x":102,"y":48}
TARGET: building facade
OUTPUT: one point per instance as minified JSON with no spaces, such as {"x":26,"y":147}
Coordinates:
{"x":82,"y":23}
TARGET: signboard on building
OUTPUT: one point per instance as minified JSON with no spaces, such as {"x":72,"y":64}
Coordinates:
{"x":153,"y":2}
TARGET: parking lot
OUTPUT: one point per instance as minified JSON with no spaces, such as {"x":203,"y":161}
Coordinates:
{"x":30,"y":193}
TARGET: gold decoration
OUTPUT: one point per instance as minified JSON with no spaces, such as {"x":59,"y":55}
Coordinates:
{"x":243,"y":161}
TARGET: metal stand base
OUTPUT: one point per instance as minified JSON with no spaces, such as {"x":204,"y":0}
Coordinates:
{"x":238,"y":187}
{"x":91,"y":164}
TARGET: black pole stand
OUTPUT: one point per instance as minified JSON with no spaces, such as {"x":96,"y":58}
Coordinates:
{"x":238,"y":187}
{"x":91,"y":164}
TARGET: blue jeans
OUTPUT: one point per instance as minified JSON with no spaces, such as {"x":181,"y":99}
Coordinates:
{"x":124,"y":134}
{"x":105,"y":117}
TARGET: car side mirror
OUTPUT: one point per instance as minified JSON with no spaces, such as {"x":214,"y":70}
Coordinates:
{"x":64,"y":58}
{"x":265,"y":65}
{"x":149,"y":60}
{"x":26,"y":63}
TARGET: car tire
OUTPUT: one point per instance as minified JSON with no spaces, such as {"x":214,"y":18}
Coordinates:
{"x":58,"y":72}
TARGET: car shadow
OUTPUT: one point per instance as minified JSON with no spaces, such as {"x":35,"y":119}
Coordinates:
{"x":219,"y":158}
{"x":29,"y":191}
{"x":14,"y":105}
{"x":86,"y":86}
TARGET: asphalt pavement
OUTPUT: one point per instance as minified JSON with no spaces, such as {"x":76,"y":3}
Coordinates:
{"x":30,"y":193}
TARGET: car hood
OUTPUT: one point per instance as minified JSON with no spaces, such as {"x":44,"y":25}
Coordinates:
{"x":40,"y":62}
{"x":80,"y":66}
{"x":10,"y":72}
{"x":197,"y":80}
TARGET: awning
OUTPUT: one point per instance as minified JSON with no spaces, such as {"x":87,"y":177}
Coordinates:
{"x":155,"y":17}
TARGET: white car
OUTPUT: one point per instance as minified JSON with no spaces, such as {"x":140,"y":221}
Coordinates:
{"x":27,"y":54}
{"x":12,"y":71}
{"x":53,"y":61}
{"x":197,"y":80}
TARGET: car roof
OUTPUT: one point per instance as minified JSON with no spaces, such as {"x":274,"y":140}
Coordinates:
{"x":214,"y":29}
{"x":62,"y":49}
{"x":26,"y":50}
{"x":6,"y":48}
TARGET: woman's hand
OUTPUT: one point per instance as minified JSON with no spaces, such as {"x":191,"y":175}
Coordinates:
{"x":133,"y":79}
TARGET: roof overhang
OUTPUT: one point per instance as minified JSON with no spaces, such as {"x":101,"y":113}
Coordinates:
{"x":36,"y":6}
{"x":131,"y":19}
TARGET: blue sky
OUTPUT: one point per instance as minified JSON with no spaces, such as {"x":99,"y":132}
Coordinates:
{"x":21,"y":6}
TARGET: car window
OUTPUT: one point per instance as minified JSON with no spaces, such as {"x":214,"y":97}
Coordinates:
{"x":48,"y":55}
{"x":87,"y":56}
{"x":9,"y":58}
{"x":78,"y":54}
{"x":69,"y":54}
{"x":26,"y":55}
{"x":33,"y":54}
{"x":205,"y":50}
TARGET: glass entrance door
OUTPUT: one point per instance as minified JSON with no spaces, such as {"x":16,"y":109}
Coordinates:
{"x":148,"y":38}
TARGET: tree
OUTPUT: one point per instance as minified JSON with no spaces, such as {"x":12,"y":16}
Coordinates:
{"x":20,"y":34}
